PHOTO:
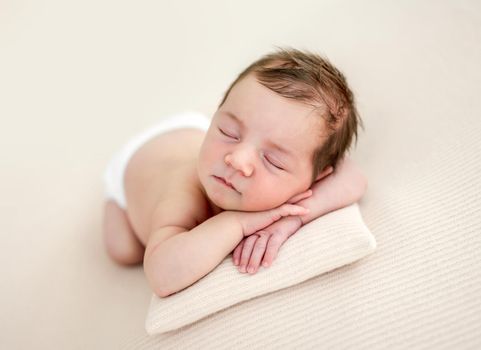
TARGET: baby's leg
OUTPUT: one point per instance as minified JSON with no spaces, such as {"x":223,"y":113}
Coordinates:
{"x":120,"y":240}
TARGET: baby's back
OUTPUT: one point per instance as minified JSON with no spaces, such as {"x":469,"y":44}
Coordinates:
{"x":161,"y":183}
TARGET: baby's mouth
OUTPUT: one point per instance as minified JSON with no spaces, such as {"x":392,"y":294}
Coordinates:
{"x":228,"y":184}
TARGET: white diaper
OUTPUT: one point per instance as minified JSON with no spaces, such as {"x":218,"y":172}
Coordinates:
{"x":114,"y":173}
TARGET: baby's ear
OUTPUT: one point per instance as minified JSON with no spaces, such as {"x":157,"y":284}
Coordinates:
{"x":327,"y":171}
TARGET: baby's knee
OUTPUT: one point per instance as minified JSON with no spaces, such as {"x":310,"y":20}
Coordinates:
{"x":119,"y":239}
{"x":124,"y":254}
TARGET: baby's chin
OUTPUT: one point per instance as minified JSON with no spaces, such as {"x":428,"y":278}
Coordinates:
{"x":220,"y":205}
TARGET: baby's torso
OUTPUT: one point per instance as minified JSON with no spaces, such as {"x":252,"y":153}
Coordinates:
{"x":161,"y":171}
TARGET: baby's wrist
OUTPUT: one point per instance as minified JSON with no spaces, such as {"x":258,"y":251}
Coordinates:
{"x":295,"y":219}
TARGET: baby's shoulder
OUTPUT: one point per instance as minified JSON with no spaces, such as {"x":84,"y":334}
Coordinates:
{"x":183,"y":204}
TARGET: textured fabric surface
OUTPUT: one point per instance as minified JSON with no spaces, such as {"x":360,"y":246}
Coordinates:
{"x":331,"y":241}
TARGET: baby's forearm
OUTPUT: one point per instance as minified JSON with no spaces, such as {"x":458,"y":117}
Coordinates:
{"x":346,"y":185}
{"x":188,"y":256}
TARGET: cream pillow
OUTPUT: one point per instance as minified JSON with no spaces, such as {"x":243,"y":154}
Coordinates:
{"x":333,"y":240}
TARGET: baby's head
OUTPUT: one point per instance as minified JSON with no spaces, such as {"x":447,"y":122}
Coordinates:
{"x":285,"y":119}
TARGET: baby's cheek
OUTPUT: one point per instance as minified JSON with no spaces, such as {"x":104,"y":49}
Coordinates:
{"x":264,"y":197}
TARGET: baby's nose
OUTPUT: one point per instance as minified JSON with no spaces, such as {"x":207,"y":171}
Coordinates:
{"x":240,"y":162}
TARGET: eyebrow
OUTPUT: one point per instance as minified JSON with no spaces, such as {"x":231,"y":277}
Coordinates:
{"x":272,"y":144}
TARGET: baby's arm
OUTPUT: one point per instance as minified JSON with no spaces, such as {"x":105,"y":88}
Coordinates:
{"x":174,"y":264}
{"x":187,"y":256}
{"x":345,"y":186}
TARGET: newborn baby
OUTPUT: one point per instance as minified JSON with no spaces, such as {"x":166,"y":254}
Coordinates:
{"x":190,"y":191}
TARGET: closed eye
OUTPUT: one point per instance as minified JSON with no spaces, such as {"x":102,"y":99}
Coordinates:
{"x":233,"y":137}
{"x":223,"y":133}
{"x":270,"y":162}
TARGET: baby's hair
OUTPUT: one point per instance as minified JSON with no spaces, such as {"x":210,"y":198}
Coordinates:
{"x":311,"y":79}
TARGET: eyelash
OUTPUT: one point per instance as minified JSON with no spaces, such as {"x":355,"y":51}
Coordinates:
{"x":232,"y":137}
{"x":274,"y":165}
{"x":222,"y":131}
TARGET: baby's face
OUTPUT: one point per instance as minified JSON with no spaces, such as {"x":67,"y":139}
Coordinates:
{"x":240,"y":146}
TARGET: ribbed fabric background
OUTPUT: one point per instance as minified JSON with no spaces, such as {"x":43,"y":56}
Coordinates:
{"x":331,"y":241}
{"x":421,"y":289}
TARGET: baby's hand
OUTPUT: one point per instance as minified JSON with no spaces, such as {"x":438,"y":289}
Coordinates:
{"x":264,"y":245}
{"x":254,"y":221}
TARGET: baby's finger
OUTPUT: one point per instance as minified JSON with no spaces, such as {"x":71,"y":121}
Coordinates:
{"x":300,"y":196}
{"x":291,"y":209}
{"x":246,"y":251}
{"x":272,"y":249}
{"x":257,"y":254}
{"x":237,"y":253}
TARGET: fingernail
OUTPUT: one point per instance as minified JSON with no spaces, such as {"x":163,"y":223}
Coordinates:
{"x":264,"y":264}
{"x":251,"y":269}
{"x":236,"y":262}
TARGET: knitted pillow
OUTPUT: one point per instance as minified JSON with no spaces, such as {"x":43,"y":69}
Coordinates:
{"x":333,"y":240}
